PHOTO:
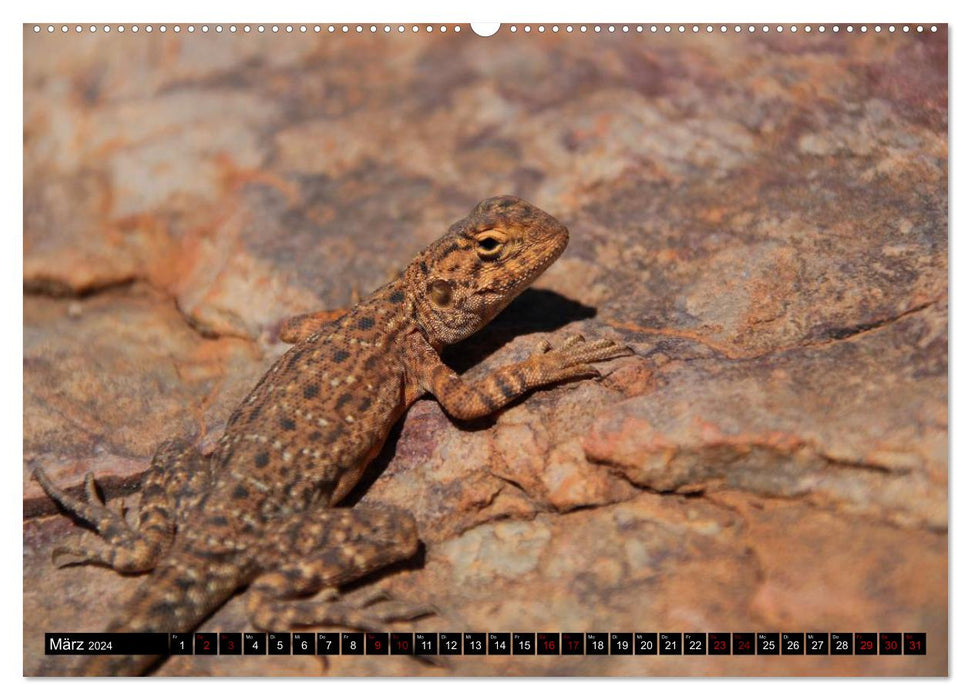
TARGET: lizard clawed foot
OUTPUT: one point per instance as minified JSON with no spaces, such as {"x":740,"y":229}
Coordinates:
{"x":368,"y":611}
{"x":572,"y":359}
{"x":121,"y":547}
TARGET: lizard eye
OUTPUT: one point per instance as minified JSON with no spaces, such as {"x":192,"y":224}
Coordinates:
{"x":489,"y":246}
{"x":440,"y":292}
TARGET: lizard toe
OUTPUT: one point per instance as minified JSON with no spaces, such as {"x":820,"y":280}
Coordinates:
{"x":63,"y":557}
{"x":572,"y":340}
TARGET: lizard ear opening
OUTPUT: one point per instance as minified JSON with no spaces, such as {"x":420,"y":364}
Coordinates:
{"x":440,"y":292}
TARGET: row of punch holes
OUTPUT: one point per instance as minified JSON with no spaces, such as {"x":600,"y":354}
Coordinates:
{"x":428,"y":28}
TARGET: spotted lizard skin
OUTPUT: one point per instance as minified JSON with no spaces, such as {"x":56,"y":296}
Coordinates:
{"x":259,"y":511}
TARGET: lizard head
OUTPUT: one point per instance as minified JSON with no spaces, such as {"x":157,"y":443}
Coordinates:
{"x":462,"y":280}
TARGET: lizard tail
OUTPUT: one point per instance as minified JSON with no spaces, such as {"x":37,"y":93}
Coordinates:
{"x":174,"y":598}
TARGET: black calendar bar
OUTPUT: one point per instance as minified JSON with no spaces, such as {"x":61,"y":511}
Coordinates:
{"x":104,"y":643}
{"x":764,"y":644}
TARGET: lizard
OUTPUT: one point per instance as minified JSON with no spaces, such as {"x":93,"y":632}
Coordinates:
{"x":261,"y":510}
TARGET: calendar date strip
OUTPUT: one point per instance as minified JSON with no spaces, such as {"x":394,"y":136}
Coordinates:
{"x":489,"y":643}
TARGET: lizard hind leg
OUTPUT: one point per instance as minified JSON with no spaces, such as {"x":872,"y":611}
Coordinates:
{"x":324,"y":551}
{"x":118,"y":544}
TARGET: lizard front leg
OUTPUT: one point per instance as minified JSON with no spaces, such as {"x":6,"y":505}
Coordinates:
{"x":547,"y":365}
{"x":310,"y":557}
{"x":297,"y":328}
{"x":174,"y":482}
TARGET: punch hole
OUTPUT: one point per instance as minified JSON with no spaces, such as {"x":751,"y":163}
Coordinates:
{"x":485,"y":28}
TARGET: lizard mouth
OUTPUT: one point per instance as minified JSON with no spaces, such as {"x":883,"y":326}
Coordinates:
{"x":511,"y":288}
{"x":539,"y":266}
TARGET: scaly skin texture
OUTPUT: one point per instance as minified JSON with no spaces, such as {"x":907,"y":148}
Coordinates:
{"x":259,"y":511}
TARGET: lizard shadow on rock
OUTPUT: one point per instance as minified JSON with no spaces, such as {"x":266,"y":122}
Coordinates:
{"x":533,"y":311}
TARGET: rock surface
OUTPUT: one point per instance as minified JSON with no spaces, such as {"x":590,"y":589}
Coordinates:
{"x":762,"y":218}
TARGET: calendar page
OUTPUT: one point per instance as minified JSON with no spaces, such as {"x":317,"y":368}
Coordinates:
{"x":527,"y":349}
